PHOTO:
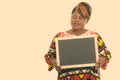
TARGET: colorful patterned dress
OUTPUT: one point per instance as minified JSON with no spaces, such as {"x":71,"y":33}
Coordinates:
{"x":82,"y":73}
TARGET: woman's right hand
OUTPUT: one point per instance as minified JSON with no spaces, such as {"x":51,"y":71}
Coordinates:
{"x":58,"y":68}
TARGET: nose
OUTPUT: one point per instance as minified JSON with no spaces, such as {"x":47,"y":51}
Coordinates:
{"x":78,"y":20}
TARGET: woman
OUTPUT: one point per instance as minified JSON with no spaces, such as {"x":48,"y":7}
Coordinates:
{"x":80,"y":16}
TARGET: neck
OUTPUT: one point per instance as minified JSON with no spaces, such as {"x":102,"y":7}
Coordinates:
{"x":80,"y":31}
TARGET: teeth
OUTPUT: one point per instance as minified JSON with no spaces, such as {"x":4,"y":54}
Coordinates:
{"x":76,"y":24}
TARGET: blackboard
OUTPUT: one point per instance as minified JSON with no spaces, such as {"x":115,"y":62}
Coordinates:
{"x":76,"y":51}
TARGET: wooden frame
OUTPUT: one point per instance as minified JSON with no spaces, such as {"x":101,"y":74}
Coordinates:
{"x":66,"y":44}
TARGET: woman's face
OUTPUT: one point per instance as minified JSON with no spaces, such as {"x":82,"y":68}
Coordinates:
{"x":77,"y":21}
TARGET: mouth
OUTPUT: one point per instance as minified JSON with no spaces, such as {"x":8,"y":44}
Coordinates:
{"x":76,"y":24}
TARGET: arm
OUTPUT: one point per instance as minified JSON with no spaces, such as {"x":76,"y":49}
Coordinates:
{"x":50,"y":57}
{"x":104,"y":53}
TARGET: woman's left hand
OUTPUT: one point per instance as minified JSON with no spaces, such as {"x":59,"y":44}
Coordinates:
{"x":100,"y":62}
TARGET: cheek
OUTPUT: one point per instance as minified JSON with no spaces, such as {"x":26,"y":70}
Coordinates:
{"x":71,"y":21}
{"x":82,"y":23}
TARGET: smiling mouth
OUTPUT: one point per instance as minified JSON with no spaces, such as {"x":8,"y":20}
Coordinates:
{"x":76,"y":24}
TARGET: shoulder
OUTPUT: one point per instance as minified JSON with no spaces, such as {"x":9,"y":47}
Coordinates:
{"x":60,"y":34}
{"x":94,"y":33}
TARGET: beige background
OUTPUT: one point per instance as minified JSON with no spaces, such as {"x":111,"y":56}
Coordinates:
{"x":28,"y":26}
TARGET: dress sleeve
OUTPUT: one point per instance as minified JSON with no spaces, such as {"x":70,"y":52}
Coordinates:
{"x":51,"y":54}
{"x":103,"y":51}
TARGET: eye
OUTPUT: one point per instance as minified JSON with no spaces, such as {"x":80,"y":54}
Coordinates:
{"x":74,"y":17}
{"x":80,"y":17}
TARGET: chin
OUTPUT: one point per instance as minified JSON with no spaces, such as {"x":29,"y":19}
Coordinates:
{"x":77,"y":28}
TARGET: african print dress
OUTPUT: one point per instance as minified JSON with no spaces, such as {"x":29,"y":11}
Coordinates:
{"x":82,"y":73}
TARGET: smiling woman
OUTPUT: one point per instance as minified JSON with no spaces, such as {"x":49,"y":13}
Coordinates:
{"x":79,"y":18}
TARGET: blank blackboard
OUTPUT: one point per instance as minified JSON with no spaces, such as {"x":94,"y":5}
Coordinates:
{"x":76,"y":51}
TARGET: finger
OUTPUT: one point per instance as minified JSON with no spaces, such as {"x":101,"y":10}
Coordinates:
{"x":97,"y":66}
{"x":54,"y":63}
{"x":58,"y":68}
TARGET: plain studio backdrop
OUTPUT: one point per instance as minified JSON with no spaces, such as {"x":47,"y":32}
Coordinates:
{"x":28,"y":26}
